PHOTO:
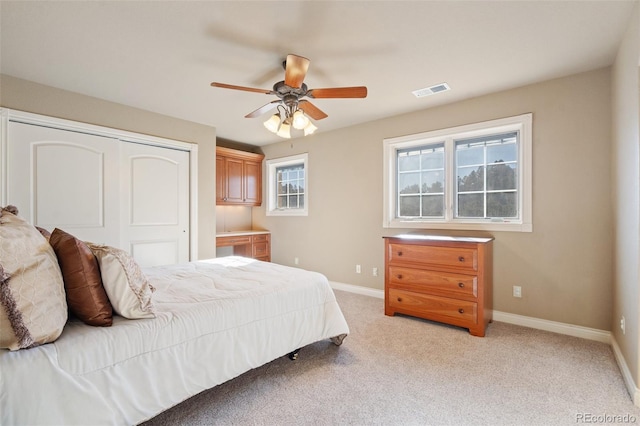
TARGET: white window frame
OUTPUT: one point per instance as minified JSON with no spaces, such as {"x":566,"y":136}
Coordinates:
{"x":521,"y":123}
{"x":272,"y":166}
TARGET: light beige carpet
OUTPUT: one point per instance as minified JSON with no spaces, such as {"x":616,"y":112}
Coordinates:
{"x":406,"y":371}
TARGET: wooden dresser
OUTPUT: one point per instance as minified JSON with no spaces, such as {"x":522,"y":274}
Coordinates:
{"x":445,"y":279}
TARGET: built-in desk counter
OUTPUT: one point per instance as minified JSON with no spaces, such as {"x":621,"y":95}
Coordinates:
{"x":255,"y":244}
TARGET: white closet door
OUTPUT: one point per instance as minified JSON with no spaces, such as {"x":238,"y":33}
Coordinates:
{"x":155,"y":206}
{"x":65,"y":179}
{"x":102,"y":189}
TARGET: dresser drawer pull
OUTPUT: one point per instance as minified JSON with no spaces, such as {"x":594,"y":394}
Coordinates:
{"x":399,"y":299}
{"x":399,"y":253}
{"x":461,"y":285}
{"x":461,"y":258}
{"x":399,"y":276}
{"x":461,"y":310}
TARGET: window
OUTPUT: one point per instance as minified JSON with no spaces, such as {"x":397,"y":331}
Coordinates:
{"x":421,"y":181}
{"x":287,"y":190}
{"x":469,"y":177}
{"x":486,"y":177}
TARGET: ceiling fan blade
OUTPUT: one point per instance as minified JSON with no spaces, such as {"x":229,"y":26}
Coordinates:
{"x":295,"y":70}
{"x":311,"y":110}
{"x":262,"y":109}
{"x":246,"y":89}
{"x":338,"y":92}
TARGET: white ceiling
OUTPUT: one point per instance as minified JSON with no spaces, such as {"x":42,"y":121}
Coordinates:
{"x":162,"y":56}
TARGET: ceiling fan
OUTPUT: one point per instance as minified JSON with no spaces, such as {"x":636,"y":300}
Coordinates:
{"x":292,"y":109}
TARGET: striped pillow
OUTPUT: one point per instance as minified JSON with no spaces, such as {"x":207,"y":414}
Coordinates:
{"x":127,"y":287}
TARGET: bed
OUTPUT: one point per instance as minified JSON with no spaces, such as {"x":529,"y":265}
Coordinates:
{"x":213,"y":320}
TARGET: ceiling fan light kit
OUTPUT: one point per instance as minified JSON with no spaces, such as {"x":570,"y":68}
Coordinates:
{"x":292,"y":110}
{"x":298,"y":120}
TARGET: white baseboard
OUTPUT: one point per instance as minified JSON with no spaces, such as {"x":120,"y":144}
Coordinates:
{"x":553,"y":326}
{"x":632,"y":388}
{"x":366,"y":291}
{"x":540,"y":324}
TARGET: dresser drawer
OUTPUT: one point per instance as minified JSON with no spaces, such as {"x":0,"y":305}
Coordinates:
{"x":260,"y":249}
{"x":259,"y":238}
{"x":233,"y":241}
{"x":434,"y":282}
{"x":452,"y":257}
{"x":433,"y":307}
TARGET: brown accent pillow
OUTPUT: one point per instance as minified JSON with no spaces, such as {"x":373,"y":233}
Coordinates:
{"x":86,"y":296}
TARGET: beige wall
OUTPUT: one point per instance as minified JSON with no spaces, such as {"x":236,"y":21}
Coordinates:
{"x":31,"y":97}
{"x":564,"y":266}
{"x":626,"y":197}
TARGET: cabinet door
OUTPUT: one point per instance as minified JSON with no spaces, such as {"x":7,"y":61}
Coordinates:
{"x":221,"y":180}
{"x":234,"y":184}
{"x":239,"y":177}
{"x":253,"y":183}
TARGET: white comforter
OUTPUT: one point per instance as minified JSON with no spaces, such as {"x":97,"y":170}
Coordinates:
{"x":215,"y":320}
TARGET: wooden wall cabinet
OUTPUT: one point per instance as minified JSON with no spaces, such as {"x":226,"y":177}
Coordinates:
{"x":238,"y":177}
{"x":445,"y":279}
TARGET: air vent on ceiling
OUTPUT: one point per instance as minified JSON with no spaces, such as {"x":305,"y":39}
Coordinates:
{"x":442,"y":87}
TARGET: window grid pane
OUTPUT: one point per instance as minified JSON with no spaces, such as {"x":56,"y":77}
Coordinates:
{"x":486,"y":174}
{"x":420,"y":182}
{"x":290,"y":187}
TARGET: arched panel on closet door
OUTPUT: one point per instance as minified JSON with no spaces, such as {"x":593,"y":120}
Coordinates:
{"x":64,"y":179}
{"x":155,"y":216}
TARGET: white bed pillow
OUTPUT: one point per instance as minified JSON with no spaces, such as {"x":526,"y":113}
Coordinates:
{"x":127,"y":287}
{"x":33,"y":307}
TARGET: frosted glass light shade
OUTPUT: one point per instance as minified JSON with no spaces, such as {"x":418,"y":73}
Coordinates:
{"x":285,"y":130}
{"x":309,"y":128}
{"x":273,"y":123}
{"x":300,"y":120}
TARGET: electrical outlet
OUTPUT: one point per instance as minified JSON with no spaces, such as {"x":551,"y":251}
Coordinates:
{"x":622,"y":325}
{"x":296,"y":260}
{"x":517,"y":291}
{"x":358,"y":269}
{"x":375,"y":272}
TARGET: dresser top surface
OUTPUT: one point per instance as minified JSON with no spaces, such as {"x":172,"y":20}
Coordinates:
{"x":240,"y":233}
{"x":424,"y":237}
